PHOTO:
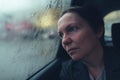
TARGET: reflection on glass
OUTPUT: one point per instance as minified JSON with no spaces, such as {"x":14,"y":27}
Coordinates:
{"x":28,"y":39}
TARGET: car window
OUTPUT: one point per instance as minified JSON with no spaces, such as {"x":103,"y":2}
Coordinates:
{"x":28,"y":39}
{"x":109,"y":19}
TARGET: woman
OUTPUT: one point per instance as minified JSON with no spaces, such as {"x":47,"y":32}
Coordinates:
{"x":82,"y":33}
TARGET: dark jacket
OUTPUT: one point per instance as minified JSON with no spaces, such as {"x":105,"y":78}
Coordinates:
{"x":76,"y":70}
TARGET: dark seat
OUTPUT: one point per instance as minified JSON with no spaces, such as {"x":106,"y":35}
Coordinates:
{"x":116,"y":36}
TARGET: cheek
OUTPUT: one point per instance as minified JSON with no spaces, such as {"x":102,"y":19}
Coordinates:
{"x":63,"y":45}
{"x":79,"y":38}
{"x":86,"y":39}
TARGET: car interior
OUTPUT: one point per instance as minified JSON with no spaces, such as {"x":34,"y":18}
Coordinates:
{"x":52,"y":70}
{"x":115,"y":36}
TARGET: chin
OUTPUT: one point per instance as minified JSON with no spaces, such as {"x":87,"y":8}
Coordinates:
{"x":76,"y":58}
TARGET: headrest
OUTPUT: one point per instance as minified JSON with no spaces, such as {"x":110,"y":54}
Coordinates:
{"x":116,"y":35}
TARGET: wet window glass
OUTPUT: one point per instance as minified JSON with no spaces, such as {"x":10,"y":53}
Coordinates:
{"x":28,"y":38}
{"x":109,"y":19}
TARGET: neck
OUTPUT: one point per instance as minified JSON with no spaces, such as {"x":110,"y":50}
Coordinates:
{"x":95,"y":59}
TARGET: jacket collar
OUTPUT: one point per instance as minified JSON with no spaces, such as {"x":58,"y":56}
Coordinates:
{"x":79,"y":71}
{"x":111,"y":62}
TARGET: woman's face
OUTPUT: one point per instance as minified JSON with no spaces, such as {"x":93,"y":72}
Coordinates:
{"x":78,"y":39}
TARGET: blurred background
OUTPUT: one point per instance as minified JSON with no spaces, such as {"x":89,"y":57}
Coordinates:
{"x":28,"y":36}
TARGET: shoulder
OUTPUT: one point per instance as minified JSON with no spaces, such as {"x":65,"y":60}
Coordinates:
{"x":70,"y":64}
{"x":112,"y":64}
{"x":66,"y":70}
{"x":112,"y":59}
{"x":74,"y":70}
{"x":112,"y":55}
{"x":67,"y":65}
{"x":71,"y":68}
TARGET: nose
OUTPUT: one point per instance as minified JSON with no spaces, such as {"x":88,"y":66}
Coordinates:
{"x":66,"y":40}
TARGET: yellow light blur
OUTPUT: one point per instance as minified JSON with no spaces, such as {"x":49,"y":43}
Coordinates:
{"x":112,"y":16}
{"x":48,"y":19}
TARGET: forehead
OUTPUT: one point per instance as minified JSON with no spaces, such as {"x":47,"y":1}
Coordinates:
{"x":70,"y":18}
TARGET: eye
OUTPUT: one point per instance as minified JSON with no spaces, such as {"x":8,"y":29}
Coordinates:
{"x":72,"y":28}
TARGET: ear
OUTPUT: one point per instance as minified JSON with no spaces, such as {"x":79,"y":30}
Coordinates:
{"x":100,"y":32}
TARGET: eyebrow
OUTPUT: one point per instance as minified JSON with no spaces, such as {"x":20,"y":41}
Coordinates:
{"x":67,"y":27}
{"x":64,"y":28}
